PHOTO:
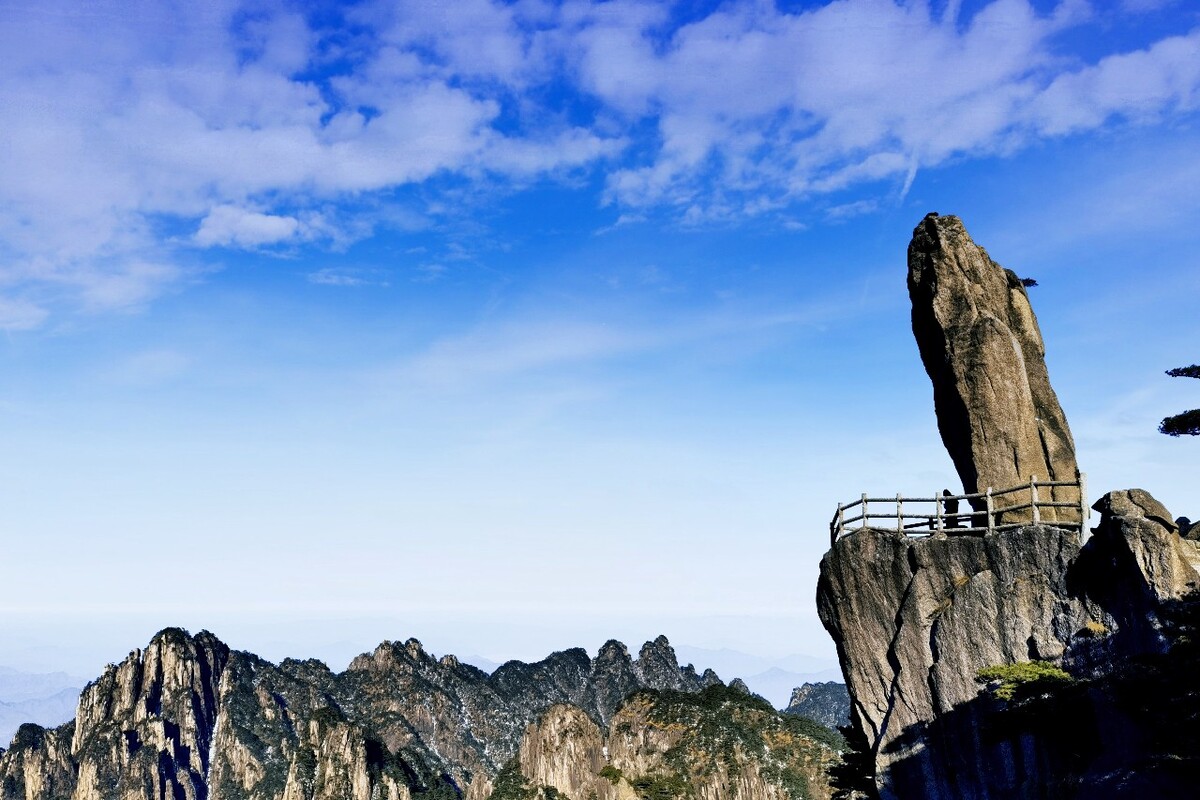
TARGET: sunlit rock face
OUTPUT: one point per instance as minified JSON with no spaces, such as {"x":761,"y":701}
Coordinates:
{"x":721,"y":744}
{"x":916,"y":620}
{"x":979,"y":340}
{"x":189,"y":719}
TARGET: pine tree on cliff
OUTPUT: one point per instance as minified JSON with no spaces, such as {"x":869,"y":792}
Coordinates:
{"x":1189,"y":421}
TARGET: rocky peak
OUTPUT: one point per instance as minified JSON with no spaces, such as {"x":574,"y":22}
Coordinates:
{"x":149,"y":721}
{"x":981,"y":346}
{"x":613,"y":651}
{"x":414,"y":649}
{"x":658,"y":666}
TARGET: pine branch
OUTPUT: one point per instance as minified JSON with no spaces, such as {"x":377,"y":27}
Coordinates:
{"x":1185,"y":372}
{"x":1187,"y":423}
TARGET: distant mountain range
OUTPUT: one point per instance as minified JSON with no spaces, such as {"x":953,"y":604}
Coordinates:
{"x":190,"y":718}
{"x":47,"y":699}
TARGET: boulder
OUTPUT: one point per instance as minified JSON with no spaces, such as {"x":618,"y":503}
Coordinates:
{"x":979,"y":340}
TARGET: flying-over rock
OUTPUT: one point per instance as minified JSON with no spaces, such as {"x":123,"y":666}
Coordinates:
{"x":189,"y":719}
{"x":979,"y":340}
{"x":916,"y":620}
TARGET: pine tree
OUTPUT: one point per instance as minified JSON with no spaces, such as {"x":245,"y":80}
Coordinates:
{"x":1189,"y":421}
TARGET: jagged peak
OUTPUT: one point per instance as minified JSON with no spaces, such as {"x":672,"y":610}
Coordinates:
{"x":661,"y":646}
{"x":613,"y":649}
{"x":304,"y":665}
{"x":172,"y":635}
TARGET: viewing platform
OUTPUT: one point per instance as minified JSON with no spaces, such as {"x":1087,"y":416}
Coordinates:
{"x":986,"y":512}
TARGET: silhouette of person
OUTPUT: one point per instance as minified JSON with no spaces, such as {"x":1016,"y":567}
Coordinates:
{"x":950,"y":504}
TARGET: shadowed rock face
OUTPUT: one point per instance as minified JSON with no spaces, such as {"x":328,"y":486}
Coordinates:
{"x":979,"y":340}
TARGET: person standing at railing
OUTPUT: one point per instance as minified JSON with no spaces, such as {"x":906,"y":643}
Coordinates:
{"x":950,"y":506}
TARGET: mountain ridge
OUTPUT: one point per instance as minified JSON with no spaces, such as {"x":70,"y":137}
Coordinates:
{"x":188,"y":717}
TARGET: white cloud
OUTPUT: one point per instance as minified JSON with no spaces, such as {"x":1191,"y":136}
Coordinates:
{"x":1140,"y":86}
{"x":229,"y":225}
{"x":118,"y":114}
{"x":499,"y":351}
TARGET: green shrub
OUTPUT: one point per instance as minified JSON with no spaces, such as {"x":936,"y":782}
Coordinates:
{"x":660,"y":787}
{"x":510,"y":784}
{"x":611,"y":774}
{"x":1023,"y":680}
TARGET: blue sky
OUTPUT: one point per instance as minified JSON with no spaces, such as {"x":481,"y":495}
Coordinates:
{"x":516,"y":326}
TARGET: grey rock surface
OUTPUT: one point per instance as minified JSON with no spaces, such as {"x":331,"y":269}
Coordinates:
{"x":915,"y":620}
{"x":981,"y":346}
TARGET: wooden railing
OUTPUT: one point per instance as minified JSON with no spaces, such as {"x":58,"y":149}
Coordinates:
{"x":986,"y":511}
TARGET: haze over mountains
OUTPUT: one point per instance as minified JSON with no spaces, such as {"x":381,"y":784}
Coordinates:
{"x":47,"y":699}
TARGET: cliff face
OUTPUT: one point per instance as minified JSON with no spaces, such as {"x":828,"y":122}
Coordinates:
{"x":147,"y":724}
{"x":827,"y":703}
{"x":720,"y":744}
{"x":979,"y":340}
{"x":189,"y":719}
{"x":916,"y":621}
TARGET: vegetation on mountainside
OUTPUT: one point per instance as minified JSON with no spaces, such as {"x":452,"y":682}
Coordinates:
{"x":611,"y":774}
{"x":1187,"y":423}
{"x":725,"y":731}
{"x":1023,"y":680}
{"x":510,"y":784}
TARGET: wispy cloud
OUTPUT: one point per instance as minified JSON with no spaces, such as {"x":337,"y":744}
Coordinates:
{"x":502,"y":349}
{"x":149,"y":367}
{"x":334,"y":276}
{"x":498,"y":351}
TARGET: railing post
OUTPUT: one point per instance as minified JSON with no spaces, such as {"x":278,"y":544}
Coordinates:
{"x":991,"y":509}
{"x":899,"y":514}
{"x":937,"y":510}
{"x":865,"y":521}
{"x":1033,"y":500}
